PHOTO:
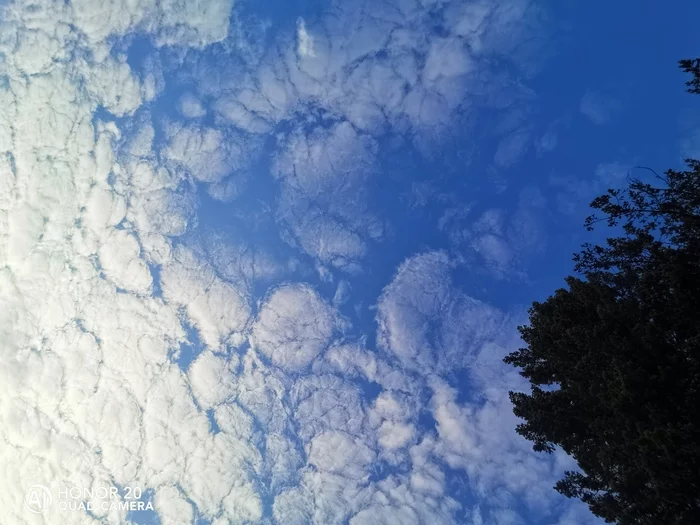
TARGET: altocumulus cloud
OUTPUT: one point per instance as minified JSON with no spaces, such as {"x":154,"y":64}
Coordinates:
{"x":284,"y":414}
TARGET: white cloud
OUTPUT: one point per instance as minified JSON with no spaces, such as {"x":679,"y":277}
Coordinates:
{"x":114,"y":86}
{"x":498,"y":242}
{"x":172,"y":507}
{"x":121,"y":260}
{"x":205,"y":153}
{"x":324,"y":203}
{"x":381,"y":69}
{"x":386,"y":515}
{"x":427,"y":322}
{"x":194,"y":24}
{"x":216,"y":307}
{"x":293,"y":327}
{"x":293,"y":506}
{"x":326,"y":402}
{"x":84,"y":358}
{"x":477,"y":436}
{"x":350,"y":360}
{"x":212,"y":379}
{"x":191,"y":107}
{"x":306,"y":41}
{"x":395,"y":435}
{"x":408,"y":306}
{"x":340,"y":453}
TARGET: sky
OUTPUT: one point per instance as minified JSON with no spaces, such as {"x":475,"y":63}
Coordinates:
{"x":260,"y":261}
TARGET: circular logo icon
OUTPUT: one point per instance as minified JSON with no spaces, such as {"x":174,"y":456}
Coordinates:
{"x":37,"y":499}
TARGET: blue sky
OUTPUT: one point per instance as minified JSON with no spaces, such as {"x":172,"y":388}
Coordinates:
{"x":262,"y":260}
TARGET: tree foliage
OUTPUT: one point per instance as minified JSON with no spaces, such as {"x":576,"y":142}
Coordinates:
{"x":614,"y":359}
{"x":692,"y":67}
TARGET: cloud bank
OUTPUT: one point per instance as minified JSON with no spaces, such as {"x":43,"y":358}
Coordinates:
{"x":282,"y":414}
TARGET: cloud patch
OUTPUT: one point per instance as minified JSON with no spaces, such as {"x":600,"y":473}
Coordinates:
{"x":293,"y":327}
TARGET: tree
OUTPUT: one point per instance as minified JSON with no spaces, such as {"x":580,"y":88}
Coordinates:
{"x":614,"y":359}
{"x":692,"y":67}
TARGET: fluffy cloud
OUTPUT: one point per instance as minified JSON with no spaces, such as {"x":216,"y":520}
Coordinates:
{"x":428,"y":323}
{"x":293,"y":327}
{"x":216,"y":307}
{"x":358,"y":74}
{"x":324,"y":193}
{"x":497,"y":242}
{"x":306,"y":41}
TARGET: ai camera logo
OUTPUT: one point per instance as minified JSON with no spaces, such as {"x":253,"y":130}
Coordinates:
{"x":37,"y":499}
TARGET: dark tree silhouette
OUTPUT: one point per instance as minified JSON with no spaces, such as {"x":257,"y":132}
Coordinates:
{"x":692,"y":67}
{"x":614,"y":359}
